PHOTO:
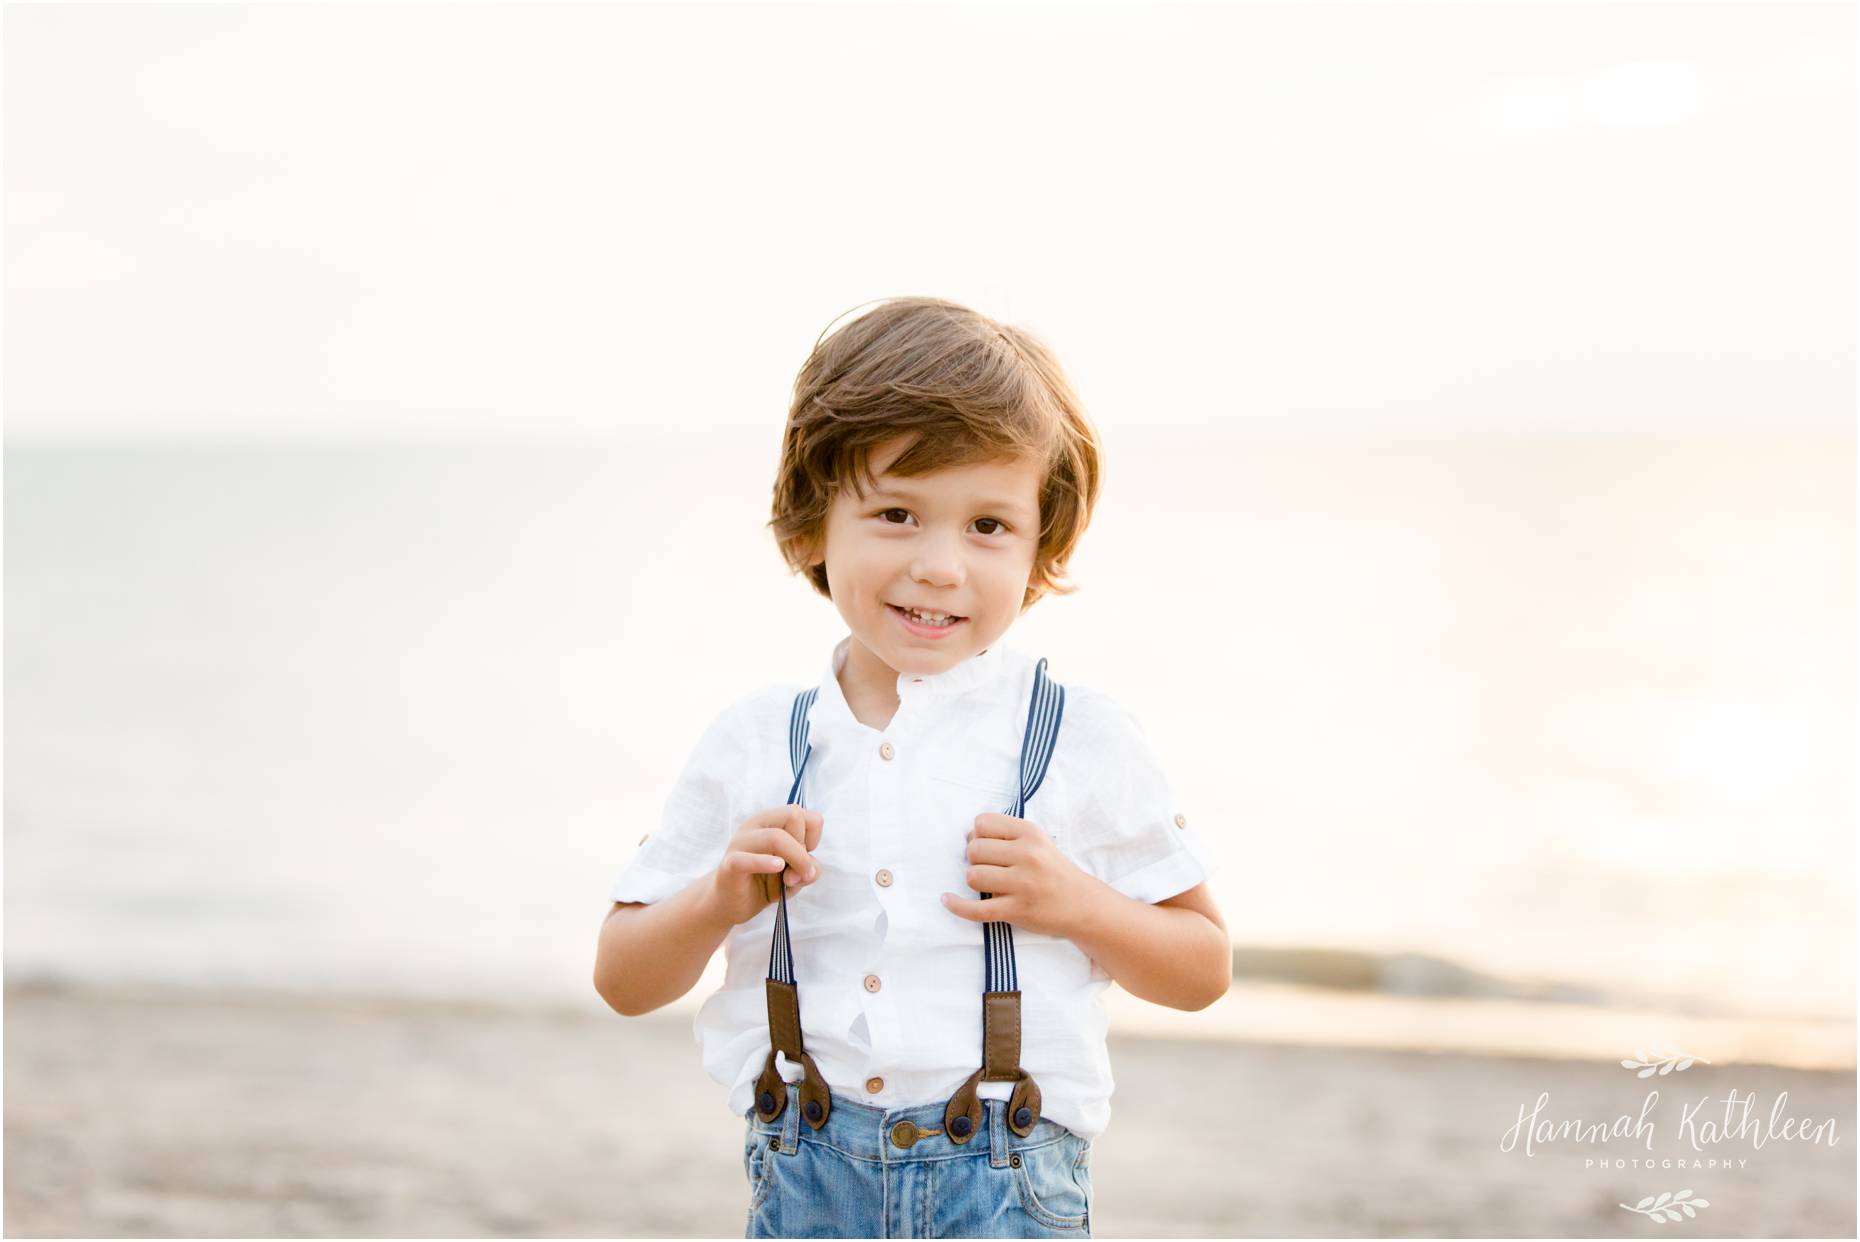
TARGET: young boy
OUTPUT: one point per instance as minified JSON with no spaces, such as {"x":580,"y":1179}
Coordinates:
{"x":969,"y":850}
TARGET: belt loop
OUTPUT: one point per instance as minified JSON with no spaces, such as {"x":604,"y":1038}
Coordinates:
{"x":997,"y":1133}
{"x":791,"y":1124}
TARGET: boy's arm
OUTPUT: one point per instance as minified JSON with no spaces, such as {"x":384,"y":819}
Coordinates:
{"x":1174,"y":953}
{"x":650,"y":955}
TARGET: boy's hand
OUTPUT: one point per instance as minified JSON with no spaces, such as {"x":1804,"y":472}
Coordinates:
{"x":764,"y":844}
{"x":1029,"y":882}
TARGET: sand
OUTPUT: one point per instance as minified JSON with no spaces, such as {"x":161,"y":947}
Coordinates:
{"x":136,"y":1112}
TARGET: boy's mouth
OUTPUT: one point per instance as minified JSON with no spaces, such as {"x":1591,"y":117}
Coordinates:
{"x":932,"y":621}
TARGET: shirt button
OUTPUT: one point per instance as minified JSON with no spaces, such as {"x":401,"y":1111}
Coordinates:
{"x":872,"y":984}
{"x":875,"y":1085}
{"x":883,"y":877}
{"x":886,"y":750}
{"x":1181,"y":821}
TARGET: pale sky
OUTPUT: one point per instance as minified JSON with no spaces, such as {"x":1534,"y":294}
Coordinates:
{"x":256,"y":221}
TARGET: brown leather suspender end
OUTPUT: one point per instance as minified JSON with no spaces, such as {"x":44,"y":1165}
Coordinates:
{"x":1000,"y":1063}
{"x":784,"y":1018}
{"x":1000,"y":1036}
{"x":785,"y":1038}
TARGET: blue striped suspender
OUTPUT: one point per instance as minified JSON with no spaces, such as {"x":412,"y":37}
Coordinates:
{"x":1036,"y":752}
{"x":784,"y":999}
{"x":962,"y":1116}
{"x":781,"y":960}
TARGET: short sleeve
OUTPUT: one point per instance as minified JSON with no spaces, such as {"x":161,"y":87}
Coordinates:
{"x":1126,"y":826}
{"x":696,"y":822}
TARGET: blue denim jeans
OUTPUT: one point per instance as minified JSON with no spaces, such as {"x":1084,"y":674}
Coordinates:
{"x":852,"y":1179}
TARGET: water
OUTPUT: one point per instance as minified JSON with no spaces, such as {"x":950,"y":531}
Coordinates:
{"x":392,"y":716}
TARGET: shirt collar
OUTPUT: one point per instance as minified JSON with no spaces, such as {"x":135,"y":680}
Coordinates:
{"x":979,"y":669}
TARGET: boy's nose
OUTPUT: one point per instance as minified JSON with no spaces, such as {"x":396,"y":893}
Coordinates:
{"x":937,"y":562}
{"x":937,"y":573}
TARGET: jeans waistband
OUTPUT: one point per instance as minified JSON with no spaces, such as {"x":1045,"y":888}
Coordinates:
{"x":866,"y":1133}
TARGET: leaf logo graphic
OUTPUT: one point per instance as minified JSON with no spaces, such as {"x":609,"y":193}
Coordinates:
{"x":1661,"y":1062}
{"x":1668,"y":1206}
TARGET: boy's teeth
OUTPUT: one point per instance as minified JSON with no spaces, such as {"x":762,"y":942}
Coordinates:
{"x":928,"y":618}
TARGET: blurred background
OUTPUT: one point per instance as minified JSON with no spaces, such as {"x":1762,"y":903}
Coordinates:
{"x":393,"y":397}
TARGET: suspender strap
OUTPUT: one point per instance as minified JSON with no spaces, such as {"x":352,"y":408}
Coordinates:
{"x":784,"y":1000}
{"x":962,"y":1116}
{"x":1036,"y":753}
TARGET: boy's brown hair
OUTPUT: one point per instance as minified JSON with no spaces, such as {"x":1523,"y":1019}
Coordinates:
{"x":967,"y":389}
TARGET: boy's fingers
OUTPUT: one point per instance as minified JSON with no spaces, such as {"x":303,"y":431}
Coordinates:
{"x":991,"y":850}
{"x":975,"y":909}
{"x":780,"y":842}
{"x":804,"y":826}
{"x":773,"y":817}
{"x":788,"y":832}
{"x":758,"y":867}
{"x":987,"y":878}
{"x":797,"y":821}
{"x":763,"y":869}
{"x":990,"y":824}
{"x":742,"y":861}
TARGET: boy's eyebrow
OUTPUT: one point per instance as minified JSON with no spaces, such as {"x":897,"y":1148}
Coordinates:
{"x":900,"y":493}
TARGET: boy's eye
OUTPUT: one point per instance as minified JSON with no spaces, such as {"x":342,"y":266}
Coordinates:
{"x":994,"y":525}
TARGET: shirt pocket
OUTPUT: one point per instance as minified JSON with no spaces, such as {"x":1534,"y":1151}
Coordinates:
{"x":962,"y":797}
{"x":978,"y":794}
{"x":988,"y":793}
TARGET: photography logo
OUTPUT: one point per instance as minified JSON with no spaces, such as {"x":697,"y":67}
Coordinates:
{"x":1710,"y":1132}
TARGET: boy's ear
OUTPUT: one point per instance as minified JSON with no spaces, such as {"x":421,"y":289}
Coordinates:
{"x":813,"y":553}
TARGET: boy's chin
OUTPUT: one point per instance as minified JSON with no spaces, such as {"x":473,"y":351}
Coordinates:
{"x":916,"y":662}
{"x":923,"y":658}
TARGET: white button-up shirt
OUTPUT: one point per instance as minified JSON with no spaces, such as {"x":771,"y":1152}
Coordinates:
{"x":890,"y":981}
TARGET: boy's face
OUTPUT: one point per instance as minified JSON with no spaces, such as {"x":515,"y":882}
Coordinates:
{"x":959,"y":542}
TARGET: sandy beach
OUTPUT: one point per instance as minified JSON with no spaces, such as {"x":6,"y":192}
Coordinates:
{"x":143,"y":1112}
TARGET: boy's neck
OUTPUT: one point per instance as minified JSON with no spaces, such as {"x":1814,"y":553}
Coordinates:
{"x":870,"y":687}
